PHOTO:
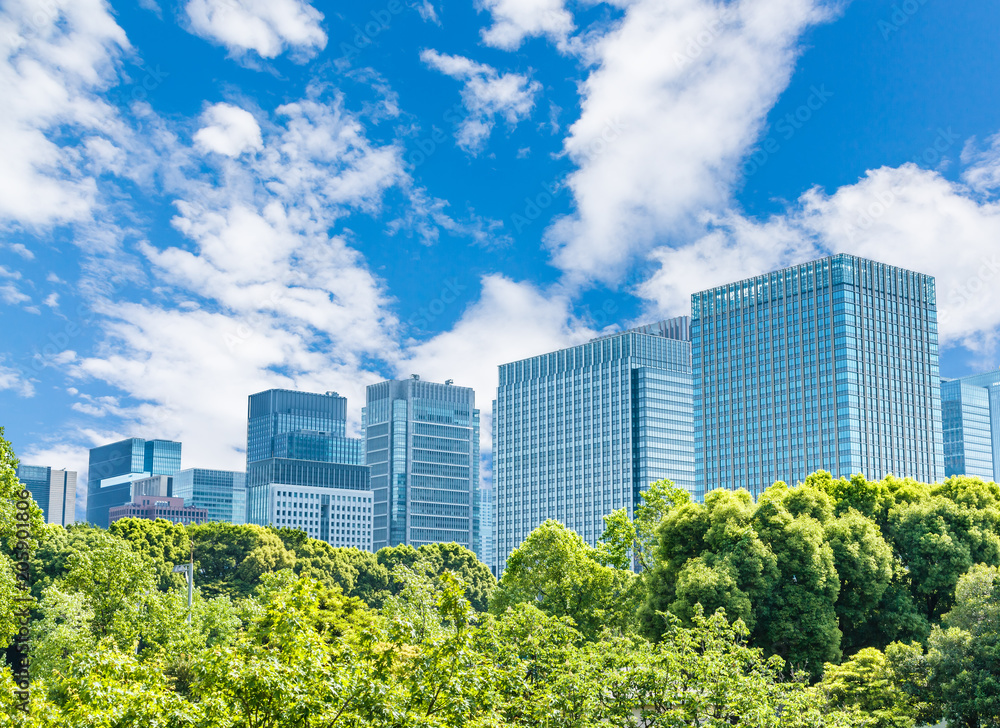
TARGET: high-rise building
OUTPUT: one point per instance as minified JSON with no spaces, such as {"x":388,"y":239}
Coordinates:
{"x":113,"y":468}
{"x":487,"y":526}
{"x":423,"y":451}
{"x":222,"y":493}
{"x":828,"y":365}
{"x":581,"y":432}
{"x":303,"y":471}
{"x":970,"y":409}
{"x":54,"y":491}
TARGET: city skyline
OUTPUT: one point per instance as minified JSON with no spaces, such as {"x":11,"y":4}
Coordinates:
{"x":457,"y":186}
{"x":302,"y":442}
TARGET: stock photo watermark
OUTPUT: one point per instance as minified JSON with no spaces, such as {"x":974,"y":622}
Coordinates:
{"x":22,"y":602}
{"x":900,"y":16}
{"x":786,"y":128}
{"x":451,"y":291}
{"x":365,"y":35}
{"x":535,"y":205}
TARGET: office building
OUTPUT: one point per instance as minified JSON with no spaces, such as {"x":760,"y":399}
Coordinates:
{"x":303,"y":471}
{"x":150,"y":507}
{"x":581,"y":432}
{"x":54,"y":491}
{"x":223,"y":493}
{"x":970,"y":409}
{"x":487,"y":527}
{"x":828,"y":365}
{"x":423,"y":450}
{"x":113,"y":468}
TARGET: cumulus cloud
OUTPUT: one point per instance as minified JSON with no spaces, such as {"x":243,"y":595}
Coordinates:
{"x":267,"y":27}
{"x":262,"y":294}
{"x":485,"y":94}
{"x":57,"y":58}
{"x":983,"y":173}
{"x":679,"y":94}
{"x":228,"y":130}
{"x":906,"y":216}
{"x":15,"y":380}
{"x":515,"y":20}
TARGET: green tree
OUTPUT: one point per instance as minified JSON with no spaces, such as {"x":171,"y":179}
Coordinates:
{"x":557,"y":572}
{"x":20,"y":531}
{"x":864,"y":564}
{"x":437,"y":558}
{"x":162,"y":543}
{"x":879,"y":687}
{"x":358,"y":573}
{"x":964,"y":654}
{"x":627,"y":542}
{"x":230,"y":559}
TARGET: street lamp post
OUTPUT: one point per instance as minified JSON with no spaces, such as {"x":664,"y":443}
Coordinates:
{"x":188,"y":571}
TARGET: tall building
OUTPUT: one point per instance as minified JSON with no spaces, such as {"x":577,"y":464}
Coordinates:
{"x":970,"y":409}
{"x":581,"y":432}
{"x":423,"y":451}
{"x":113,"y":468}
{"x":303,"y":471}
{"x":53,"y":490}
{"x":222,"y":493}
{"x":829,"y":365}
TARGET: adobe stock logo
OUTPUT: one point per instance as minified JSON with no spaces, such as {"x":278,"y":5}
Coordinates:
{"x":426,"y":315}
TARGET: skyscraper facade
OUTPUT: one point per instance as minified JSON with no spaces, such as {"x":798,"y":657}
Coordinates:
{"x":54,"y":491}
{"x":831,"y":364}
{"x":970,"y":409}
{"x":581,"y":432}
{"x":222,"y":493}
{"x":303,"y":471}
{"x":113,"y":468}
{"x":423,"y":450}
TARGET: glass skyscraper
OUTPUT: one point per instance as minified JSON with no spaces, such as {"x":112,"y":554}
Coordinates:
{"x":113,"y":468}
{"x":303,"y":471}
{"x":829,"y":365}
{"x":970,"y":409}
{"x":222,"y":493}
{"x":581,"y":432}
{"x":423,"y":451}
{"x":54,"y":491}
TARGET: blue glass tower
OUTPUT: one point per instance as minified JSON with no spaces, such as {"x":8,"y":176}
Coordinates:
{"x":113,"y":468}
{"x":222,"y":493}
{"x":829,"y":365}
{"x":423,"y":450}
{"x":970,"y":410}
{"x":303,"y":471}
{"x":581,"y":432}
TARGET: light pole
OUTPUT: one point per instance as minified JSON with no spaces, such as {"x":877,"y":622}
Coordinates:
{"x":188,"y":570}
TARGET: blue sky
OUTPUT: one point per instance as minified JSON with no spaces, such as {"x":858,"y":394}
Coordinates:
{"x":205,"y":198}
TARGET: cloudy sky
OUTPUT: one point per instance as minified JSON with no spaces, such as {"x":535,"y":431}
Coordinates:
{"x":200,"y":199}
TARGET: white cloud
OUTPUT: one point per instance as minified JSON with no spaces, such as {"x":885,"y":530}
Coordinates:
{"x":679,"y":95}
{"x":52,"y":300}
{"x":58,"y":56}
{"x":905,"y":216}
{"x":515,"y":20}
{"x":228,"y":130}
{"x":510,"y":321}
{"x":267,"y":27}
{"x":983,"y":174}
{"x":485,"y":94}
{"x":15,"y":380}
{"x":262,"y":295}
{"x":21,"y":250}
